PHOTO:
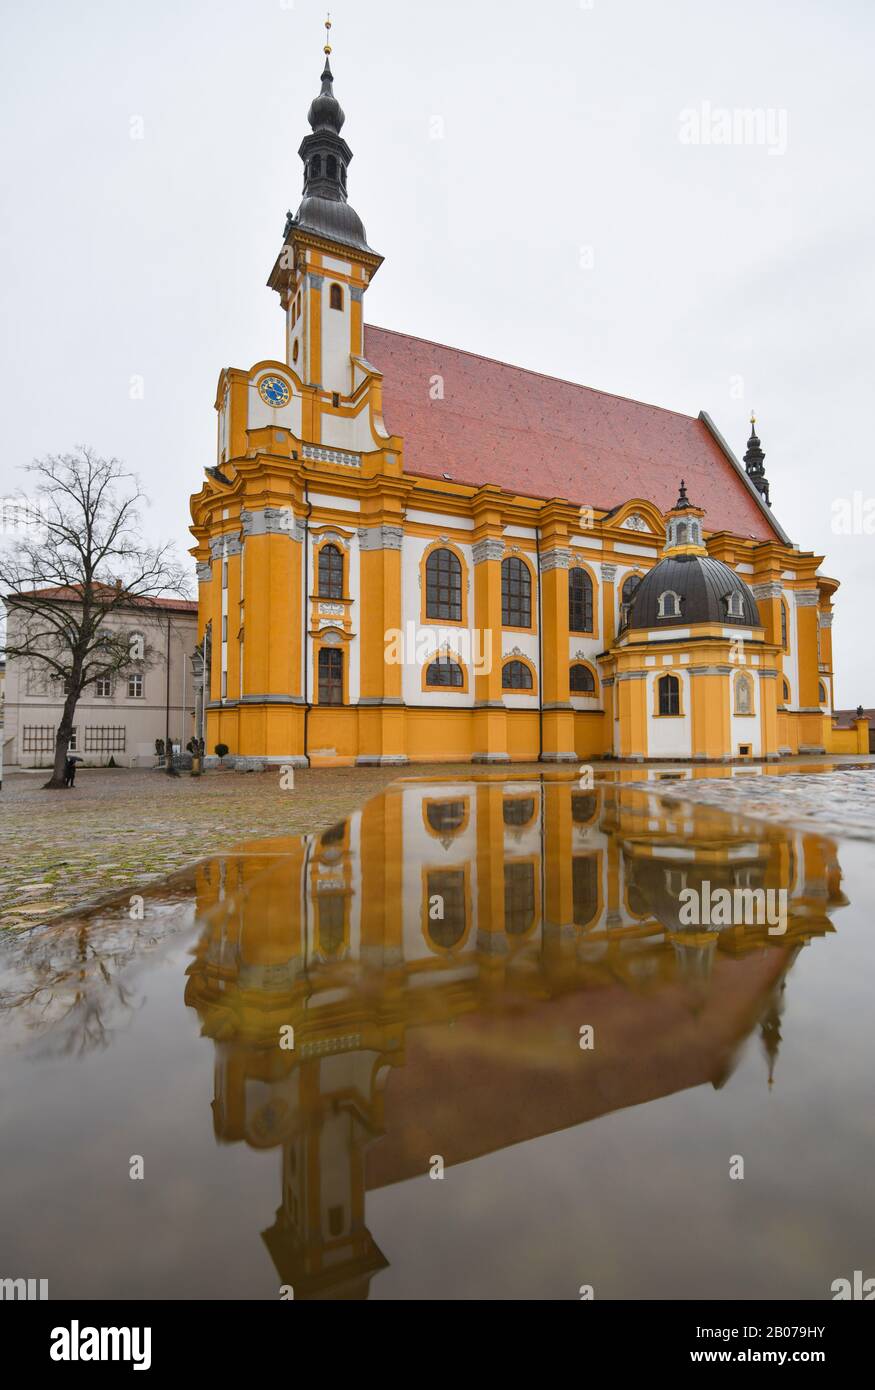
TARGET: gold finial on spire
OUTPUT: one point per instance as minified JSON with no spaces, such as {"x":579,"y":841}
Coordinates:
{"x":327,"y":33}
{"x":753,"y":420}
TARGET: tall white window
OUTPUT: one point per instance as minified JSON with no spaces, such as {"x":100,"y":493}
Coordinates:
{"x":135,"y":686}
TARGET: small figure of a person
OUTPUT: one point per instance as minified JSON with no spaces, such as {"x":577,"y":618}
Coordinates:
{"x":69,"y":772}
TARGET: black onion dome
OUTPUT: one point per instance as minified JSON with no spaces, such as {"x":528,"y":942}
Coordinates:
{"x":703,"y":584}
{"x":329,"y":218}
{"x":326,"y":112}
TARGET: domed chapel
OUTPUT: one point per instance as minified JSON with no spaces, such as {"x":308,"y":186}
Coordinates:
{"x":407,"y":552}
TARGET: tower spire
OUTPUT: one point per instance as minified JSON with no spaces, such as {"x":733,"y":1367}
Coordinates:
{"x":754,"y":462}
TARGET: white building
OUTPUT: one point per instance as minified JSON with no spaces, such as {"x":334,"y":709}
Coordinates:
{"x":119,"y":717}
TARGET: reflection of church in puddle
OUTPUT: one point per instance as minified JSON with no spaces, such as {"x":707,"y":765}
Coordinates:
{"x":459,"y":1034}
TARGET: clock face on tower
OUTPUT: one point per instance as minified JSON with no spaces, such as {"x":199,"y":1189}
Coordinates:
{"x":274,"y":391}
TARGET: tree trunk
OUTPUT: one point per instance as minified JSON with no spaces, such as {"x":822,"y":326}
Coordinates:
{"x":62,"y":742}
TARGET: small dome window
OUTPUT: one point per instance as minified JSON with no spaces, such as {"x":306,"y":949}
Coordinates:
{"x":669,"y":604}
{"x":735,"y":605}
{"x":316,"y":166}
{"x":336,"y":298}
{"x":331,"y":167}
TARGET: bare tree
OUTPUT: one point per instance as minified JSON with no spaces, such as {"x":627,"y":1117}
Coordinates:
{"x":63,"y":586}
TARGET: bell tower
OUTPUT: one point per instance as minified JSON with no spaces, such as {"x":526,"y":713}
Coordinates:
{"x":325,"y":265}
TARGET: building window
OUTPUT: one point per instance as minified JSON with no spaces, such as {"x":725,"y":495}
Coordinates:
{"x":445,"y":817}
{"x":821,"y":692}
{"x":330,"y":572}
{"x":519,"y":898}
{"x":443,"y":586}
{"x":224,"y":685}
{"x":331,"y":167}
{"x":443,"y":671}
{"x":734,"y":606}
{"x":518,"y":810}
{"x":681,"y":533}
{"x":584,"y":889}
{"x":316,"y":166}
{"x":135,"y":685}
{"x":669,"y":695}
{"x":224,"y":627}
{"x":743,"y":694}
{"x":627,"y":593}
{"x":336,"y":297}
{"x":295,"y":350}
{"x":449,"y":888}
{"x":224,"y":574}
{"x":784,"y":640}
{"x":330,"y":676}
{"x":786,"y":689}
{"x":335,"y":399}
{"x":100,"y":738}
{"x":669,"y":605}
{"x":583,"y":807}
{"x":332,"y":922}
{"x":103,"y":687}
{"x":38,"y":738}
{"x":516,"y":594}
{"x":579,"y":601}
{"x":515,"y":675}
{"x":581,"y":680}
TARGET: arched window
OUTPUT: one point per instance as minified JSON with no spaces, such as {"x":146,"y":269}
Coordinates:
{"x":343,"y":174}
{"x":330,"y":676}
{"x":330,"y":572}
{"x":518,"y":810}
{"x":627,"y":593}
{"x":734,"y":606}
{"x":681,"y":533}
{"x":336,"y":297}
{"x":584,"y":889}
{"x":579,"y":601}
{"x":331,"y":908}
{"x":581,"y":680}
{"x":519,"y":898}
{"x":785,"y":686}
{"x":443,"y":671}
{"x":743,"y":694}
{"x":443,"y":586}
{"x":516,"y":593}
{"x":445,"y":817}
{"x":669,"y":605}
{"x":316,"y":166}
{"x":583,"y":807}
{"x":515,"y":675}
{"x":331,"y":167}
{"x":784,"y":639}
{"x":669,"y":695}
{"x":448,"y":887}
{"x":821,"y":692}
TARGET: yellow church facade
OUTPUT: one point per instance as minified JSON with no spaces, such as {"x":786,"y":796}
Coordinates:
{"x":407,"y":553}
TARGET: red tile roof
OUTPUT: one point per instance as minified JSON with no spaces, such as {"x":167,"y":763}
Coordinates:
{"x":73,"y":593}
{"x":542,"y":437}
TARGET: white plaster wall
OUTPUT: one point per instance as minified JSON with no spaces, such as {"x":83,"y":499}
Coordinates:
{"x":336,"y":364}
{"x":260,"y":414}
{"x":743,"y":728}
{"x":791,"y":656}
{"x":423,"y":850}
{"x":460,"y":638}
{"x":668,"y":737}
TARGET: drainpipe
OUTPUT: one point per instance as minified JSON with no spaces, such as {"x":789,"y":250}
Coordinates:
{"x":305,"y":653}
{"x":540,"y":651}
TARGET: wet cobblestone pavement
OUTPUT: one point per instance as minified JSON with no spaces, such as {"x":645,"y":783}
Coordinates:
{"x":832,"y":802}
{"x":115,"y":831}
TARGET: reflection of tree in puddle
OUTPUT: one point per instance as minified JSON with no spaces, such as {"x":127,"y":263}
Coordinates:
{"x":68,"y":989}
{"x":458,"y":1033}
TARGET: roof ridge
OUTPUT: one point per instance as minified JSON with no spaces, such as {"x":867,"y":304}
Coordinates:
{"x":531,"y":371}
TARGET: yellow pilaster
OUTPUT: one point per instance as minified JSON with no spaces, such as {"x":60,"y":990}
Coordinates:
{"x":490,"y":715}
{"x":558,"y":717}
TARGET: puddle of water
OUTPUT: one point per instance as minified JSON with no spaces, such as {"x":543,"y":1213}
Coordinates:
{"x":437,"y":956}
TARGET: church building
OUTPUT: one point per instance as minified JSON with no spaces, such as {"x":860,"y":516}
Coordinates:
{"x":410,"y":553}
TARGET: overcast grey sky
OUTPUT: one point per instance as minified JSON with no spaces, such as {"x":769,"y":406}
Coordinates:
{"x":560,"y":221}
